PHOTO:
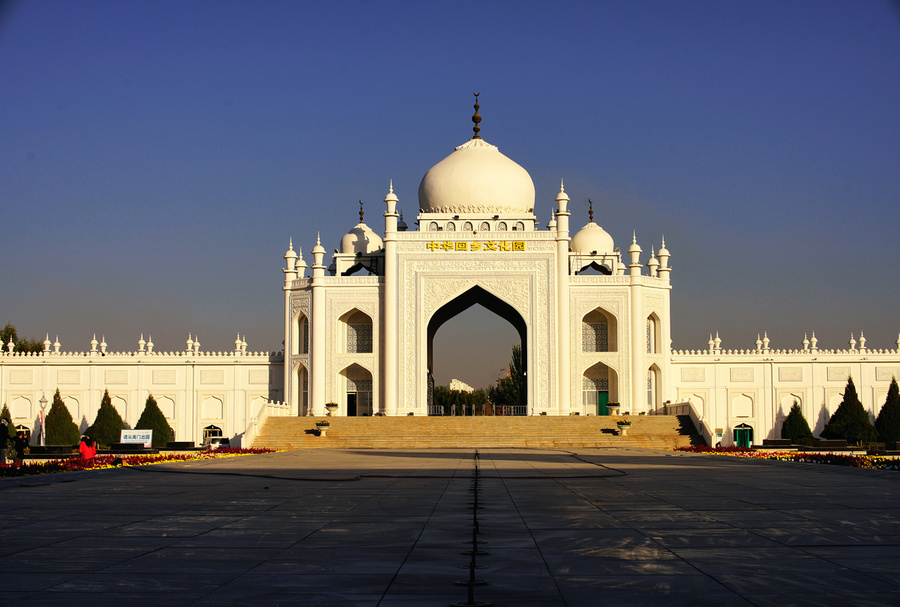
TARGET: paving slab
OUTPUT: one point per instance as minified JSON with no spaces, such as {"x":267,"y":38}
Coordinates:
{"x":395,"y":528}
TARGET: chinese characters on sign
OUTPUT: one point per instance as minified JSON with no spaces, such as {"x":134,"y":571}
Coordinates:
{"x":140,"y":437}
{"x":488,"y":245}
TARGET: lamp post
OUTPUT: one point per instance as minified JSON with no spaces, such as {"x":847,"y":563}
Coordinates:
{"x":43,"y":402}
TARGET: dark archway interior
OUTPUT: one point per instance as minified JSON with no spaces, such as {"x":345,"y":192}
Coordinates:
{"x":477,"y":295}
{"x":595,"y":268}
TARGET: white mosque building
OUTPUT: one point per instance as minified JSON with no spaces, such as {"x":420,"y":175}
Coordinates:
{"x":594,"y":327}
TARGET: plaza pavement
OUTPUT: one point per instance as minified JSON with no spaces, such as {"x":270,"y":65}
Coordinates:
{"x":598,"y":527}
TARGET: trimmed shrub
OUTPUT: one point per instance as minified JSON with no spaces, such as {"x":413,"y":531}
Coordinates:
{"x":153,"y":419}
{"x":795,"y":426}
{"x":60,"y":429}
{"x":108,"y":425}
{"x":888,"y":422}
{"x":851,"y":421}
{"x":10,"y":429}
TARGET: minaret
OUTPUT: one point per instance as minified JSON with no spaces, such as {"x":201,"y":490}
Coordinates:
{"x":638,"y":337}
{"x":663,"y":256}
{"x":391,"y":306}
{"x":653,"y":264}
{"x":317,"y":360}
{"x":291,"y":393}
{"x":564,"y":373}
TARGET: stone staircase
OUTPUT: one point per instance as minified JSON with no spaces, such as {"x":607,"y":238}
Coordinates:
{"x":657,"y":431}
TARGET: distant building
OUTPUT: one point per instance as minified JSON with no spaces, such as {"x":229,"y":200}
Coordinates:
{"x":460,"y":386}
{"x":594,"y":325}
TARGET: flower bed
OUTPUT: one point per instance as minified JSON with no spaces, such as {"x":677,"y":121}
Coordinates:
{"x":876,"y":462}
{"x":74,"y":464}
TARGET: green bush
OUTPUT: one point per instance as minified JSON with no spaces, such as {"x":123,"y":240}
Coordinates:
{"x":795,"y":426}
{"x":888,"y":421}
{"x":108,"y":425}
{"x":153,"y":419}
{"x":851,"y":421}
{"x":11,"y":429}
{"x":60,"y":429}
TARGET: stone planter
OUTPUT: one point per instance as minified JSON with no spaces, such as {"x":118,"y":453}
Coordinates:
{"x":331,"y":408}
{"x":322,"y":428}
{"x":623,"y":427}
{"x":613,"y":409}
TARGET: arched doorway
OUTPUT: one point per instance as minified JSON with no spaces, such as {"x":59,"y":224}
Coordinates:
{"x":301,"y":385}
{"x":463,"y":302}
{"x":743,"y":435}
{"x":599,"y":388}
{"x":358,"y":391}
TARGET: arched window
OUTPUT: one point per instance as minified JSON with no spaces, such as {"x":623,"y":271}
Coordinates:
{"x":519,"y":226}
{"x":501,"y":227}
{"x":359,"y":333}
{"x":653,"y":346}
{"x":467,"y":227}
{"x":300,"y":343}
{"x":485,"y":226}
{"x":595,"y":332}
{"x":742,"y":406}
{"x":433,"y":226}
{"x":451,"y":227}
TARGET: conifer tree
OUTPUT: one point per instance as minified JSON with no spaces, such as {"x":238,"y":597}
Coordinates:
{"x":108,"y":425}
{"x":60,"y":429}
{"x":888,"y":421}
{"x":510,"y":390}
{"x":11,"y":429}
{"x":795,"y":426}
{"x":153,"y":419}
{"x":851,"y":421}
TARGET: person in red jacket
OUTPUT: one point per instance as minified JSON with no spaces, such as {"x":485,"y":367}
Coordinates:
{"x":87,"y":448}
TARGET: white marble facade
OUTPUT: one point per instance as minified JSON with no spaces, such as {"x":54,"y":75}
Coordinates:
{"x":594,"y":323}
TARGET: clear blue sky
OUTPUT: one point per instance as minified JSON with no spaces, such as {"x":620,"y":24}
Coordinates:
{"x":155,"y":157}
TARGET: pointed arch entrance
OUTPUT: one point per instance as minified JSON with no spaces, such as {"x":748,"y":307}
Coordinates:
{"x":357,"y":387}
{"x":461,"y":303}
{"x":600,"y":386}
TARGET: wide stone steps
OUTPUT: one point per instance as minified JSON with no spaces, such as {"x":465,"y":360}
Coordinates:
{"x":659,"y":432}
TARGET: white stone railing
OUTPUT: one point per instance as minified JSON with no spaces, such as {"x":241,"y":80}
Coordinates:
{"x":771,"y":352}
{"x":686,"y":408}
{"x":258,"y":418}
{"x":141,"y":354}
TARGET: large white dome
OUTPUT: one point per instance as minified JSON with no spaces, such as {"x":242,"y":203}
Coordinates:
{"x":477,"y":178}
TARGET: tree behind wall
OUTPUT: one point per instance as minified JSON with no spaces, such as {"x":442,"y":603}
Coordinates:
{"x":108,"y":425}
{"x":888,"y":421}
{"x":60,"y":429}
{"x":795,"y":426}
{"x":21,"y":345}
{"x":851,"y":421}
{"x":153,"y":419}
{"x":510,"y":390}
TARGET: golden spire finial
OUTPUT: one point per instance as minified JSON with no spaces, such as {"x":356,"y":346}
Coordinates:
{"x":476,"y":118}
{"x":590,"y":210}
{"x":360,"y":212}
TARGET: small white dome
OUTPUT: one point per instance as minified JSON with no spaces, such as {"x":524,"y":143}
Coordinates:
{"x":476,"y":178}
{"x":592,"y":240}
{"x":361,"y":240}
